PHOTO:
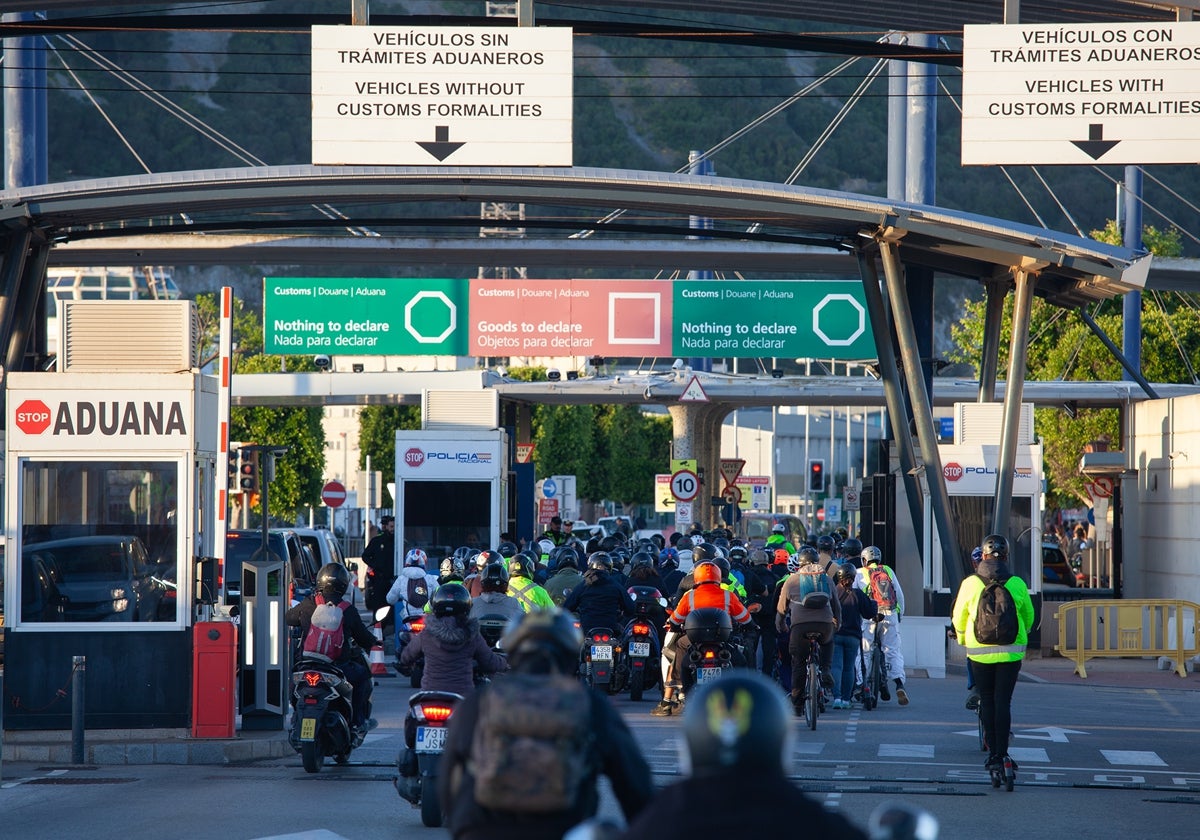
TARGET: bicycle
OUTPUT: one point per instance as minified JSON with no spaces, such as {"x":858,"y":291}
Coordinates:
{"x":814,"y":696}
{"x":873,"y":672}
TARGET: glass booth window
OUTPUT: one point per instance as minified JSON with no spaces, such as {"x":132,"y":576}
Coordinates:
{"x":99,"y":541}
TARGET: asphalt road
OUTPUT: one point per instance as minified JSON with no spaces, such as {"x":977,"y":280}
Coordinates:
{"x":1094,"y":761}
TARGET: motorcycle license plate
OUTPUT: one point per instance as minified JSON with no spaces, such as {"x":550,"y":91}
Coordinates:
{"x":706,"y":674}
{"x":308,"y":728}
{"x":639,"y":648}
{"x":601,"y":651}
{"x":431,"y":739}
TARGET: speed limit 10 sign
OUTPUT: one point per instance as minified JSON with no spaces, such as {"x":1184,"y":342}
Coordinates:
{"x":684,"y":485}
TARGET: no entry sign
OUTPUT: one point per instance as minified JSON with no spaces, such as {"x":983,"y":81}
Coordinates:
{"x":333,"y":494}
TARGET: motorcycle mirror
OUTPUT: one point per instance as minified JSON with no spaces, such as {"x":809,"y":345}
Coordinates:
{"x":898,"y":821}
{"x":662,"y":602}
{"x":382,"y":613}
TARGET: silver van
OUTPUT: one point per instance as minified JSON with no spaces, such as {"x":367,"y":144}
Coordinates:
{"x":754,"y":528}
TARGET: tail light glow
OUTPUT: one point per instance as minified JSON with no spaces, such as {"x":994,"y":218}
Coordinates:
{"x":312,"y":677}
{"x":436,"y":713}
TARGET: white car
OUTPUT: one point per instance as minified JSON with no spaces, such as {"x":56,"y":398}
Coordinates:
{"x":324,"y":546}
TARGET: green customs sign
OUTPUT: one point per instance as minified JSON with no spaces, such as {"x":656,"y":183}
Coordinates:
{"x":365,"y":316}
{"x":819,"y":319}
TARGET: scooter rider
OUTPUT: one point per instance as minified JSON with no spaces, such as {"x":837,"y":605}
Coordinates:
{"x":705,"y":592}
{"x":333,"y":580}
{"x":494,"y":599}
{"x":599,"y":601}
{"x":406,"y":593}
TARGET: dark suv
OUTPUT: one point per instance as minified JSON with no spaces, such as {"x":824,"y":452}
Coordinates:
{"x":283,"y":542}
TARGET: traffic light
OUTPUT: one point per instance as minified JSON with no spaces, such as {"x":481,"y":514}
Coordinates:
{"x":248,"y":470}
{"x":233,"y":482}
{"x":816,"y":476}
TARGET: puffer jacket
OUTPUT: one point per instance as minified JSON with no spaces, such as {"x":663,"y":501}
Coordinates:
{"x":967,"y":601}
{"x":398,"y":594}
{"x":452,"y":648}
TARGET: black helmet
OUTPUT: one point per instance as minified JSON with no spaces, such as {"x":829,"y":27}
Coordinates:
{"x":995,"y":547}
{"x":332,"y":581}
{"x":851,"y":548}
{"x":704,"y":551}
{"x":738,"y":554}
{"x":452,"y":566}
{"x":561,"y":558}
{"x":723,"y":565}
{"x":485,"y":558}
{"x":846,"y":572}
{"x":658,"y":541}
{"x":608,"y":544}
{"x":601,"y":560}
{"x":494,"y":575}
{"x":808,"y":554}
{"x":825,"y":543}
{"x":464,"y":553}
{"x":739,"y":721}
{"x":520,"y":566}
{"x":543,"y":639}
{"x":506,"y":549}
{"x":450,"y":599}
{"x":643,"y":559}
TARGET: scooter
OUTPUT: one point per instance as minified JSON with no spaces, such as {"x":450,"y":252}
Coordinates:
{"x":641,"y":642}
{"x":322,"y":710}
{"x":409,"y":627}
{"x":425,"y":730}
{"x":601,"y":649}
{"x":709,"y":631}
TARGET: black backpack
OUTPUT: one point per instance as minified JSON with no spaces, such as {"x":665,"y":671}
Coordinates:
{"x":996,"y":620}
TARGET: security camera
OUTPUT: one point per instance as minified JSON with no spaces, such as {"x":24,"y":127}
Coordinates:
{"x":322,"y":362}
{"x":677,"y":364}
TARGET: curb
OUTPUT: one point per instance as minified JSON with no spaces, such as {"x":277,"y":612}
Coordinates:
{"x":169,"y":750}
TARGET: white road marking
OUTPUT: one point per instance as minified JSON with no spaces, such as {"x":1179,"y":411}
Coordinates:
{"x":906,"y":750}
{"x":1141,"y":758}
{"x":1028,"y":754}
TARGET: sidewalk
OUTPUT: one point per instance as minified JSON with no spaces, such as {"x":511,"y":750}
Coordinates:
{"x":1101,"y":671}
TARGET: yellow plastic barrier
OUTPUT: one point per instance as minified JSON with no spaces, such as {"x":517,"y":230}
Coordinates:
{"x":1132,"y":628}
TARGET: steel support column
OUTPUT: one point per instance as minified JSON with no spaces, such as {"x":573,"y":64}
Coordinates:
{"x":993,"y":320}
{"x":12,"y":275}
{"x":1134,"y":373}
{"x":892,"y":391}
{"x":25,"y":309}
{"x":1013,"y":394}
{"x":952,"y":560}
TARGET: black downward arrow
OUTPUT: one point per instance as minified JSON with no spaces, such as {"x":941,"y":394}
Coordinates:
{"x":441,"y":148}
{"x":1095,"y":146}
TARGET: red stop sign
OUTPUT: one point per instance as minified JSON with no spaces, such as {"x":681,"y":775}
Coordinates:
{"x":952,"y":471}
{"x":820,"y":514}
{"x":414,"y":457}
{"x":333,"y":494}
{"x":32,"y":417}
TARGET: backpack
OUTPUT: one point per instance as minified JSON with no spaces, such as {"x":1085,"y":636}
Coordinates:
{"x":326,"y":639}
{"x":882,"y":588}
{"x":532,"y":747}
{"x":418,"y":592}
{"x":996,"y":615}
{"x":811,"y":578}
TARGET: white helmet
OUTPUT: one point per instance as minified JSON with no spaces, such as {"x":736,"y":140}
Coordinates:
{"x":871,"y":555}
{"x":416,"y":557}
{"x":793,"y":564}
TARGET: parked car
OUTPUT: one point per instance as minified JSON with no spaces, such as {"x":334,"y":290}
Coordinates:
{"x":96,"y":578}
{"x":1056,"y":571}
{"x":324,"y":546}
{"x":284,"y":542}
{"x":755,"y":527}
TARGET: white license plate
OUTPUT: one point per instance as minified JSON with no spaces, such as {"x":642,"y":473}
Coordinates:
{"x":707,"y":674}
{"x":601,"y":651}
{"x":639,"y":648}
{"x":431,"y":739}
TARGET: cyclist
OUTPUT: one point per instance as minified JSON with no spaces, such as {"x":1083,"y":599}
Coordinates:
{"x":778,"y":539}
{"x":807,"y":605}
{"x":996,"y":667}
{"x":881,"y":583}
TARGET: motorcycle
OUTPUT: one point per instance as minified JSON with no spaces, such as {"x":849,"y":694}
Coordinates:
{"x":425,"y":727}
{"x":712,"y":645}
{"x":601,"y":650}
{"x":411,"y":626}
{"x":492,"y":627}
{"x":641,"y":642}
{"x":322,"y":710}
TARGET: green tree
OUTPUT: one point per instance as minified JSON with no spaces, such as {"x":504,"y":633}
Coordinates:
{"x":1061,"y":346}
{"x":638,"y":447}
{"x":566,"y":445}
{"x":377,"y":425}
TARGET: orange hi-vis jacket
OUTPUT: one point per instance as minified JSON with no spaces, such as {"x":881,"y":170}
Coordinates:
{"x":710,"y":595}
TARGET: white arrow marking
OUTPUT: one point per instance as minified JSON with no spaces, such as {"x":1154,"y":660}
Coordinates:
{"x":1053,"y":733}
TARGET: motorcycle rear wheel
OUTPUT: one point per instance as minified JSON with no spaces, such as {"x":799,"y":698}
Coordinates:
{"x":311,"y":756}
{"x":431,"y":808}
{"x":636,"y":685}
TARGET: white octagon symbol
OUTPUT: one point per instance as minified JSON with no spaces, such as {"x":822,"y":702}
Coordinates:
{"x":412,"y":330}
{"x":839,"y":342}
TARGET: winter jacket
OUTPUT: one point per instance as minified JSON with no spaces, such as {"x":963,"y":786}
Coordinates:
{"x":531,"y":596}
{"x":709,"y":595}
{"x":855,"y":605}
{"x":967,"y":602}
{"x":496,"y":603}
{"x":562,"y":582}
{"x":452,"y":648}
{"x":352,"y":628}
{"x":791,"y":599}
{"x":398,"y":594}
{"x":599,"y":602}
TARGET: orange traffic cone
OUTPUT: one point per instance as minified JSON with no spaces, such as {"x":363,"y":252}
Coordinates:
{"x":378,"y":666}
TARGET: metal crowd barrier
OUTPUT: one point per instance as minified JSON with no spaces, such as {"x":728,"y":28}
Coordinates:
{"x":1128,"y":628}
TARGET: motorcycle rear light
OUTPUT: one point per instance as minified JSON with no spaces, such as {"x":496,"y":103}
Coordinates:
{"x":312,"y":677}
{"x":417,"y":626}
{"x":600,"y":637}
{"x":436,"y":714}
{"x":641,"y":629}
{"x":710,"y":654}
{"x":311,"y":701}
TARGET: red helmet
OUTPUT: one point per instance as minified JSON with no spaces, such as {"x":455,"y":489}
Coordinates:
{"x":706,"y":572}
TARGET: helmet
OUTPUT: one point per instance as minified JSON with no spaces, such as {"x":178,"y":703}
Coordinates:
{"x":738,"y":554}
{"x":720,"y":542}
{"x":778,"y":528}
{"x":793,"y":562}
{"x":781,"y":556}
{"x":485,"y":558}
{"x":851,"y":548}
{"x":669,"y":558}
{"x":808,"y":554}
{"x":723,"y":565}
{"x":544,"y":546}
{"x":494,"y":575}
{"x":601,"y":560}
{"x":740,"y":721}
{"x":658,"y":541}
{"x":608,"y":544}
{"x":506,"y":549}
{"x":825,"y":543}
{"x":846,"y":572}
{"x":464,"y":553}
{"x":704,"y":551}
{"x":416,"y":557}
{"x":685,"y":542}
{"x":520,"y":566}
{"x":994,"y":547}
{"x":450,"y":599}
{"x":641,"y":560}
{"x":976,"y":555}
{"x":332,"y":581}
{"x":706,"y":572}
{"x":871,"y":555}
{"x":547,"y":637}
{"x":758,"y":557}
{"x":452,"y":567}
{"x":562,"y":557}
